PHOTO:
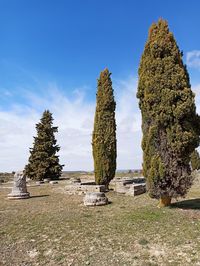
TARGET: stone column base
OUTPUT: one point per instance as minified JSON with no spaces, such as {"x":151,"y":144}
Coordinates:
{"x":19,"y":196}
{"x":95,"y":199}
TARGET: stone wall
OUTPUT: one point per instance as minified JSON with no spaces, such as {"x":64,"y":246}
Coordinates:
{"x":130,"y":186}
{"x":83,"y":188}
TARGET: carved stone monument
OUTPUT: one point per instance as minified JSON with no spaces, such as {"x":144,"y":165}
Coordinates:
{"x":95,"y":199}
{"x":19,"y":190}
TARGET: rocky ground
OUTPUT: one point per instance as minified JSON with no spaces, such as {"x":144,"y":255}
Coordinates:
{"x":53,"y":228}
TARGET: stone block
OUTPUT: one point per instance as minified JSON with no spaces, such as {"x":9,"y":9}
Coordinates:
{"x":80,"y":189}
{"x":75,"y":180}
{"x":53,"y":182}
{"x":39,"y":182}
{"x":46,"y":180}
{"x":95,"y":199}
{"x":136,"y":189}
{"x":120,"y":187}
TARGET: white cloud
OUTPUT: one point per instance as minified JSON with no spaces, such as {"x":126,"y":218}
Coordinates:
{"x":128,"y":125}
{"x":74,"y":118}
{"x":196,"y":90}
{"x":193,"y":59}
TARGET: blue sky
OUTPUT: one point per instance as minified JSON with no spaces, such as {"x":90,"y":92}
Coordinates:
{"x":56,"y":49}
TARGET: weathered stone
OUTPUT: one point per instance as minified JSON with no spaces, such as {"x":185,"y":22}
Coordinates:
{"x":82,"y":189}
{"x":130,"y":186}
{"x":19,"y":190}
{"x":88,"y":183}
{"x":139,"y":180}
{"x":120,"y":187}
{"x":127,"y":181}
{"x":75,"y":180}
{"x":136,"y":189}
{"x":95,"y":199}
{"x":46,"y":180}
{"x":39,"y":182}
{"x":53,"y":182}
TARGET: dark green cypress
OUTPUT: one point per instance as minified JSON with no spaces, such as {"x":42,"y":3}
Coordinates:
{"x":104,"y":134}
{"x":195,"y":160}
{"x":43,"y":161}
{"x":170,"y":124}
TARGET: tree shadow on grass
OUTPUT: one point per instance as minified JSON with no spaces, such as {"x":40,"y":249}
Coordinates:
{"x":38,"y":196}
{"x":192,"y":204}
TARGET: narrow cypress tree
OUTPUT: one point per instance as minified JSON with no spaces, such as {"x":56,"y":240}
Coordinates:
{"x":104,"y":134}
{"x":43,"y":161}
{"x":170,"y":124}
{"x":195,"y":160}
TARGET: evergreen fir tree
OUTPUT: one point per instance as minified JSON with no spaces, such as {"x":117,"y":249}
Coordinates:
{"x":195,"y":160}
{"x":170,"y":124}
{"x":104,"y":134}
{"x":43,"y":161}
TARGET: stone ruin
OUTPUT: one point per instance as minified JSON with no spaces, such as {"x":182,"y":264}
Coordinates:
{"x":46,"y":181}
{"x":125,"y":185}
{"x":19,"y":190}
{"x":76,"y":187}
{"x":95,"y":199}
{"x":129,"y":186}
{"x":53,"y":182}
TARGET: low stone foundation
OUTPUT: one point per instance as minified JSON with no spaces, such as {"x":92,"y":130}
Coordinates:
{"x":83,"y":188}
{"x":136,"y":189}
{"x":130,"y":186}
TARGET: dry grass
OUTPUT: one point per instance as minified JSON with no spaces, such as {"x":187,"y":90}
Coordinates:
{"x":53,"y":228}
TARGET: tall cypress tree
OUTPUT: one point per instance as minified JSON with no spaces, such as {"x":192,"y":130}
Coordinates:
{"x":104,"y":134}
{"x":195,"y":160}
{"x":170,"y":124}
{"x":43,"y":161}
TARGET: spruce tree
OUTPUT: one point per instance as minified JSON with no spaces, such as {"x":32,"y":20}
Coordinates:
{"x":170,"y":124}
{"x":43,"y":161}
{"x":104,"y":134}
{"x":195,"y":160}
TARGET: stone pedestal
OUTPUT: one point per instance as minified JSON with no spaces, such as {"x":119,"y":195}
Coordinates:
{"x":19,"y":190}
{"x":95,"y":199}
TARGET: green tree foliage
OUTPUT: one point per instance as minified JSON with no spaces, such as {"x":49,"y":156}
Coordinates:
{"x":104,"y":134}
{"x":195,"y":160}
{"x":43,"y":161}
{"x":170,"y":124}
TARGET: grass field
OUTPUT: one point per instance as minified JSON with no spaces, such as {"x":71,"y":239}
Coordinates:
{"x":53,"y":228}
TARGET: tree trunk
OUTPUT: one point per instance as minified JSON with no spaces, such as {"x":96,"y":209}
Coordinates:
{"x":164,"y":201}
{"x":107,"y":187}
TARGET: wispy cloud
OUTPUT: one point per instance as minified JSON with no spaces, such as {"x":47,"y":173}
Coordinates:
{"x":193,"y":59}
{"x":74,"y":118}
{"x":196,"y":90}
